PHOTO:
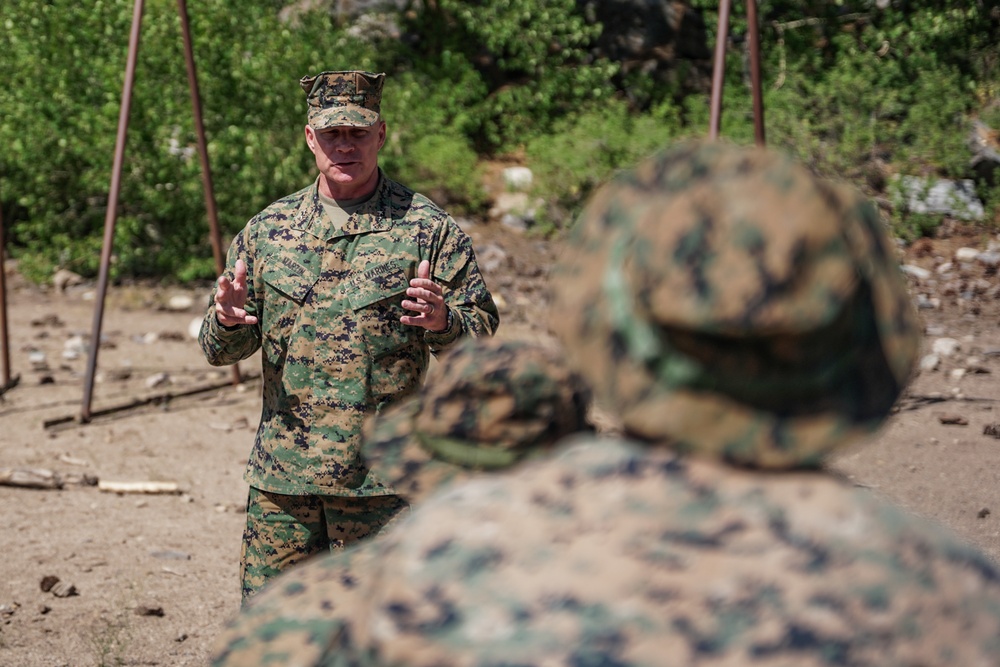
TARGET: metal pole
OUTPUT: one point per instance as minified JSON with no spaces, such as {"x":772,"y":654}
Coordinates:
{"x":758,"y":98}
{"x":206,"y":172}
{"x":718,"y":69}
{"x":4,"y":341}
{"x":112,"y":214}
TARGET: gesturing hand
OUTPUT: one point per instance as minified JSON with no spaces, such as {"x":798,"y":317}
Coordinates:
{"x":231,"y":297}
{"x":432,"y":314}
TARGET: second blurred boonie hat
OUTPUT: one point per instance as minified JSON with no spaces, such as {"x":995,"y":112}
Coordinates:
{"x":348,"y":99}
{"x":486,"y":406}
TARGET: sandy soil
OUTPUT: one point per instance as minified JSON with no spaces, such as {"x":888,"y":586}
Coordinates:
{"x":155,"y":575}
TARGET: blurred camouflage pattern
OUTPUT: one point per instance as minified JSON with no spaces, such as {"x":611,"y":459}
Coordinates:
{"x":291,"y":620}
{"x":487,"y":405}
{"x":725,"y":299}
{"x":616,"y":553}
{"x":333,"y":349}
{"x":349,"y":98}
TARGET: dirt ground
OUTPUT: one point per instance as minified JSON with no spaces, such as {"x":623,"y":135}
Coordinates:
{"x":153,"y":577}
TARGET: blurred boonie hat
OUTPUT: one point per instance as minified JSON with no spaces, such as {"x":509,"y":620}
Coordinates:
{"x":727,"y":302}
{"x":350,"y":98}
{"x":487,"y":405}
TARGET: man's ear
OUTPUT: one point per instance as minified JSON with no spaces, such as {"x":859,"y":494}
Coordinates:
{"x":310,"y":138}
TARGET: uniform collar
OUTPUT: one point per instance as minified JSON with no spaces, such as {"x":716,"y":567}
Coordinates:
{"x":373,"y":216}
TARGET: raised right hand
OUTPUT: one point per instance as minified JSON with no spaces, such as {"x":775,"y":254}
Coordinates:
{"x":231,"y":297}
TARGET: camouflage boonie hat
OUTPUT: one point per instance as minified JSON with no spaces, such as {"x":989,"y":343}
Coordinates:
{"x":350,"y":99}
{"x":730,"y":303}
{"x":487,"y":405}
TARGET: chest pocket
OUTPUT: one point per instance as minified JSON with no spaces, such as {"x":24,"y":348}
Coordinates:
{"x":376,"y":297}
{"x":286,"y":290}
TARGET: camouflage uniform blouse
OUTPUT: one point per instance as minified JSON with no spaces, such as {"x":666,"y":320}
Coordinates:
{"x":622,"y":555}
{"x":328,"y":303}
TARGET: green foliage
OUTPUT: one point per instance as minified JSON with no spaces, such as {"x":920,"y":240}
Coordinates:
{"x":585,"y":150}
{"x":442,"y":166}
{"x":60,"y":117}
{"x":516,"y":66}
{"x":855,"y":90}
{"x":858,"y":92}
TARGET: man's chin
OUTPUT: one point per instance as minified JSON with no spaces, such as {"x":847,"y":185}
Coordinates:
{"x":345,"y":174}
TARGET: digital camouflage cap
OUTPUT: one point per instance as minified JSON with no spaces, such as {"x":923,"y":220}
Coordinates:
{"x":725,"y":300}
{"x":350,"y":98}
{"x":486,"y":405}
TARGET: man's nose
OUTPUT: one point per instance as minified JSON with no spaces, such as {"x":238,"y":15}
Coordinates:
{"x":343,"y":143}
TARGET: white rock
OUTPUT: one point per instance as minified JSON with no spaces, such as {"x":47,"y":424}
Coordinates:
{"x":945,"y":268}
{"x":930,"y":363}
{"x":194,"y":326}
{"x":517,"y":178}
{"x":509,"y":202}
{"x":916,"y":272}
{"x":990,"y":259}
{"x":966,"y":254}
{"x":37,"y":360}
{"x":945,"y":347}
{"x":180,"y":302}
{"x":955,"y":198}
{"x":74,"y":347}
{"x":957,"y":374}
{"x":158,"y":380}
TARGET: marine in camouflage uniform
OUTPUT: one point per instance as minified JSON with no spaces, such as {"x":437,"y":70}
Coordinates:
{"x":489,"y":405}
{"x":744,"y":319}
{"x":346,"y":287}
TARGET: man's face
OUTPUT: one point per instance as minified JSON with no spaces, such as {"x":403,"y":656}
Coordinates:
{"x":347,"y":158}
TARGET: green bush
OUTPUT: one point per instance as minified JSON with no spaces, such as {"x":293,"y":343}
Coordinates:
{"x":60,"y":115}
{"x":583,"y":151}
{"x":515,"y":66}
{"x":857,"y":92}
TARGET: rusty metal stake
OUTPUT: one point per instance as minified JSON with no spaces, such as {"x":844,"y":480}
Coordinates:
{"x":719,"y":66}
{"x":758,"y":99}
{"x":718,"y":70}
{"x":5,"y":380}
{"x":116,"y":170}
{"x":206,"y":172}
{"x":112,"y":214}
